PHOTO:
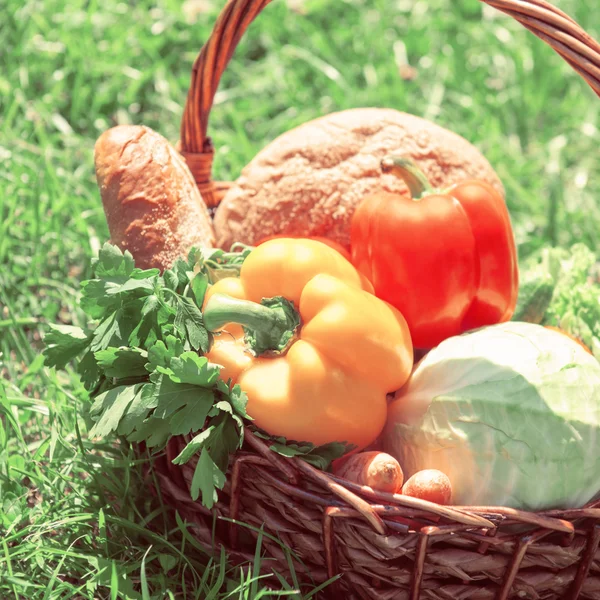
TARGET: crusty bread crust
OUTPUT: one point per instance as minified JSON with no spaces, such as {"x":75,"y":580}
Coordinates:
{"x":152,"y":204}
{"x":310,"y":179}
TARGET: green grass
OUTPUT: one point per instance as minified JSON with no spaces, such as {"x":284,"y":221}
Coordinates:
{"x":75,"y":515}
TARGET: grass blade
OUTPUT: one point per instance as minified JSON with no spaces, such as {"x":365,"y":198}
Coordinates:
{"x":143,"y":579}
{"x":114,"y":582}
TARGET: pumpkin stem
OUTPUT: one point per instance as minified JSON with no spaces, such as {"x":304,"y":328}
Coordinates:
{"x":270,"y":326}
{"x":405,"y":168}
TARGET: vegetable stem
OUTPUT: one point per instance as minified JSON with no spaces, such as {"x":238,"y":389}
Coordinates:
{"x":405,"y":168}
{"x":269,"y":326}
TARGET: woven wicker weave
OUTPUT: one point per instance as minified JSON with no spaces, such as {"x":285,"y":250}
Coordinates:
{"x":384,"y":546}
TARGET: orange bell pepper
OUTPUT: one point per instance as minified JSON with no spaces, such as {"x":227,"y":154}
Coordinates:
{"x":303,"y":335}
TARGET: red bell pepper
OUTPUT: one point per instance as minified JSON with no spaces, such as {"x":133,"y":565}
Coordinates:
{"x":447,"y":260}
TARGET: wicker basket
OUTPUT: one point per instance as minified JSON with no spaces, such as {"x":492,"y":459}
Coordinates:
{"x":383,"y":546}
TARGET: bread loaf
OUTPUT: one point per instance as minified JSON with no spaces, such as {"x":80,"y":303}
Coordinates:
{"x":309,"y":180}
{"x":152,"y":204}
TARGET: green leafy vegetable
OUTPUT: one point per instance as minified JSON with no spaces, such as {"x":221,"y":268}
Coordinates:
{"x":509,"y":412}
{"x":140,"y":359}
{"x":188,"y":321}
{"x":117,"y":281}
{"x":153,"y":432}
{"x":197,"y":443}
{"x":574,"y":300}
{"x":185,"y":406}
{"x":138,"y":410}
{"x":220,"y":264}
{"x":217,"y":442}
{"x":109,"y":408}
{"x":318,"y":456}
{"x":199,"y":283}
{"x":191,"y":368}
{"x":121,"y":363}
{"x":207,"y":479}
{"x":89,"y":372}
{"x":161,"y":353}
{"x":153,"y":315}
{"x":575,"y":305}
{"x":63,"y":344}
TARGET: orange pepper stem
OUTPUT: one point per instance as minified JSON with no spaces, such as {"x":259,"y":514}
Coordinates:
{"x":270,"y":326}
{"x":405,"y":168}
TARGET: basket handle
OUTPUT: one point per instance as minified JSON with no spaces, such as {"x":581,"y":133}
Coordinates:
{"x":550,"y":24}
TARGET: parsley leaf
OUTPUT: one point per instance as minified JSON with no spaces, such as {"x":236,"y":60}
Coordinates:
{"x":173,"y":396}
{"x":131,"y":285}
{"x":107,"y":333}
{"x":198,"y":442}
{"x":111,"y":262}
{"x":88,"y":370}
{"x":229,"y":441}
{"x":186,"y":406}
{"x":219,"y":263}
{"x":193,"y":415}
{"x":123,"y":362}
{"x":161,"y":353}
{"x":188,"y":320}
{"x":199,"y":285}
{"x":217,"y":443}
{"x":318,"y":456}
{"x":63,"y":344}
{"x":191,"y":368}
{"x":152,"y":431}
{"x":183,"y":271}
{"x":147,"y":331}
{"x":111,"y":406}
{"x":116,"y":281}
{"x":207,"y":477}
{"x":171,"y":280}
{"x":239,"y":400}
{"x":221,"y":430}
{"x":139,"y":409}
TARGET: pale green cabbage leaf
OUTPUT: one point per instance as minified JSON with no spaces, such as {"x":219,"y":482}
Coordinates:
{"x":510,"y":412}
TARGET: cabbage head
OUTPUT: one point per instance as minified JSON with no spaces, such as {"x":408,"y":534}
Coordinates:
{"x":510,"y":412}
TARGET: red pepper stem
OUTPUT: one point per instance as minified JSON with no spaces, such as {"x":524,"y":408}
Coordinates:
{"x":405,"y":168}
{"x":269,"y":326}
